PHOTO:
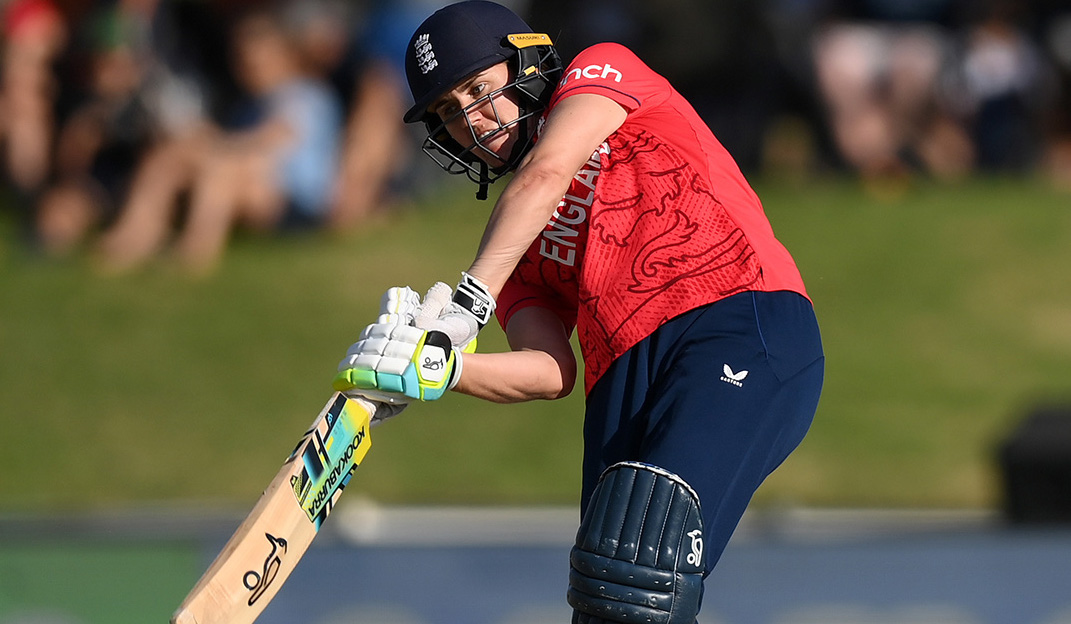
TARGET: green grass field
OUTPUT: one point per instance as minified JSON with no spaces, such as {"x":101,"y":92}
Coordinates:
{"x":946,"y":313}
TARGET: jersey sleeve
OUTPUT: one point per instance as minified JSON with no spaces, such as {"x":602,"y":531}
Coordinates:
{"x":519,"y":293}
{"x":613,"y":71}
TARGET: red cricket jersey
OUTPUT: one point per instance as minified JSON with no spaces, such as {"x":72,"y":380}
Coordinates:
{"x":659,"y":221}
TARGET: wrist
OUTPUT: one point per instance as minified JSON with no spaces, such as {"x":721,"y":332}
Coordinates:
{"x":455,"y":374}
{"x":475,"y":297}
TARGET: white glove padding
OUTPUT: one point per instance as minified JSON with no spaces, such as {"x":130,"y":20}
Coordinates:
{"x":413,"y":350}
{"x":397,"y":363}
{"x":461,"y":314}
{"x":438,"y":312}
{"x":397,"y":306}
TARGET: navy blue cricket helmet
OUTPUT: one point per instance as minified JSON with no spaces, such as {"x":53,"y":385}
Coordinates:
{"x":460,"y":40}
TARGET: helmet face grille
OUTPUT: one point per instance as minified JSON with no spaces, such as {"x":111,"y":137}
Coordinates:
{"x":537,"y":71}
{"x":458,"y":41}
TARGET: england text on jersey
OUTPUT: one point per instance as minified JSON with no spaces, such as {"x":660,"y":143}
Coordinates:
{"x":559,"y":238}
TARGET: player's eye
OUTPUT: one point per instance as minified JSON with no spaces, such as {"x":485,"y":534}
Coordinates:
{"x":447,"y":110}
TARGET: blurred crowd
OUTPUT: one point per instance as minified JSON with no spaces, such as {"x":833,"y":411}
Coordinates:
{"x":130,"y":129}
{"x":885,"y":89}
{"x":135,"y":128}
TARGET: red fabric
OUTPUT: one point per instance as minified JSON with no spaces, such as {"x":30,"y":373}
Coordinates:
{"x":660,"y":221}
{"x":28,"y":18}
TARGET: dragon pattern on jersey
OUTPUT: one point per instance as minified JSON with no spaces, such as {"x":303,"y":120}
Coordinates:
{"x":656,"y":243}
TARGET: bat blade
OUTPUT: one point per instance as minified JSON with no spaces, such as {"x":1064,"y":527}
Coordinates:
{"x":268,"y":544}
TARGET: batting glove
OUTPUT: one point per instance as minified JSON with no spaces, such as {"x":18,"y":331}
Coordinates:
{"x":460,"y":314}
{"x":395,"y":362}
{"x":398,"y":306}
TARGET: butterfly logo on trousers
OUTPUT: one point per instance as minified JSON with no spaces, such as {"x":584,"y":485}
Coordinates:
{"x":729,"y":377}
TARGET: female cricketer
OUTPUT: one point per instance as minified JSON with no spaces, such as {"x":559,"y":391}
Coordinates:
{"x":627,"y":222}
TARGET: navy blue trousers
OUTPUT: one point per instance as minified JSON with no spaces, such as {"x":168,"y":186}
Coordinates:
{"x":719,"y":395}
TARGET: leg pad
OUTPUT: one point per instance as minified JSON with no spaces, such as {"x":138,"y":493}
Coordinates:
{"x":639,"y":550}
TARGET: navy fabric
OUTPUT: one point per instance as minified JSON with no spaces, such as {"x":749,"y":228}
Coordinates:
{"x":681,"y":400}
{"x":453,"y":43}
{"x":637,"y":556}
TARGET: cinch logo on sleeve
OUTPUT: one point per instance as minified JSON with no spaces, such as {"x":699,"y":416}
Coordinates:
{"x":592,"y":72}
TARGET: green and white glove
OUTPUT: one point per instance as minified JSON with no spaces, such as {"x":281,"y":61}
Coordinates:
{"x":395,"y":362}
{"x":398,"y":306}
{"x":460,"y":314}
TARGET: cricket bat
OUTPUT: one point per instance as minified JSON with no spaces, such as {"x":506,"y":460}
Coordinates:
{"x":268,"y":544}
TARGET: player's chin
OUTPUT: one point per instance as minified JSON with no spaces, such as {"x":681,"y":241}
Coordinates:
{"x":495,"y":152}
{"x":491,"y":160}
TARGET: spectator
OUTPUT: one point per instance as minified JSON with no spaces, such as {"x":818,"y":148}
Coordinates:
{"x":878,"y":70}
{"x":1003,"y":85}
{"x":126,"y":86}
{"x":34,"y":34}
{"x":272,"y":172}
{"x":1057,"y":159}
{"x":101,"y":140}
{"x":377,"y":167}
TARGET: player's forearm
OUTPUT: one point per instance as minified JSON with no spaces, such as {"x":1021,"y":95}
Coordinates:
{"x":514,"y":376}
{"x":519,"y":215}
{"x":573,"y":131}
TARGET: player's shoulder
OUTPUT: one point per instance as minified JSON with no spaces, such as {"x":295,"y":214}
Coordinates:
{"x":605,"y":52}
{"x":610,"y":66}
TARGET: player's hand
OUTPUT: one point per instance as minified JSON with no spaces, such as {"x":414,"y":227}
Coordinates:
{"x":398,"y":306}
{"x":460,"y":314}
{"x":399,"y":363}
{"x":395,"y":362}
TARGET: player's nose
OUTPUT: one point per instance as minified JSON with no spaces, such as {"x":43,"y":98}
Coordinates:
{"x":475,"y":113}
